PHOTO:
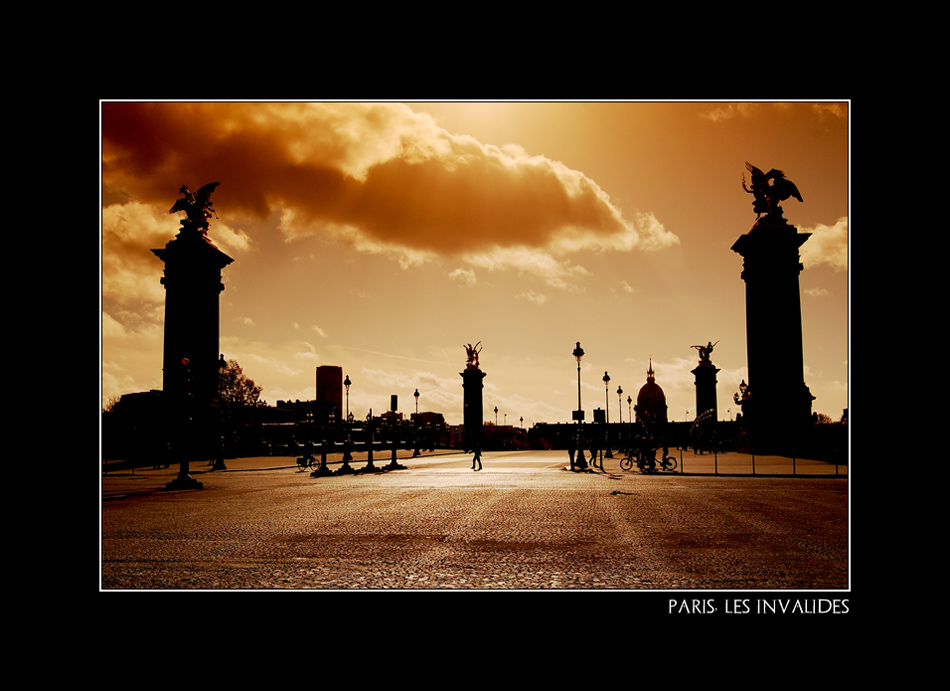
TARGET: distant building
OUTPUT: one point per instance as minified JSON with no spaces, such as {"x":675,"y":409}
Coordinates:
{"x":318,"y":412}
{"x":330,"y":387}
{"x":428,"y":419}
{"x":651,"y":401}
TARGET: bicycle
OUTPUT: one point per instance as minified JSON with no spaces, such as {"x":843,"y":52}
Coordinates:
{"x":669,"y":463}
{"x":647,"y":462}
{"x":629,"y":459}
{"x":308,"y":462}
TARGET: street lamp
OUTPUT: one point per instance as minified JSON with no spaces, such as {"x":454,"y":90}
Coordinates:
{"x":629,"y":410}
{"x":578,"y":354}
{"x":416,"y":451}
{"x":743,"y":388}
{"x":219,"y":459}
{"x":579,"y":415}
{"x":346,"y":383}
{"x":620,"y":411}
{"x":607,"y":417}
{"x":496,"y":416}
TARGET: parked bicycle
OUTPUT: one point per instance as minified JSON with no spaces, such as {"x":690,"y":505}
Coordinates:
{"x":646,"y":461}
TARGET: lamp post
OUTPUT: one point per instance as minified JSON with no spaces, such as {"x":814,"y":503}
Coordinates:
{"x":578,"y":354}
{"x":416,"y":451}
{"x":347,"y":441}
{"x":579,"y":414}
{"x":629,"y":410}
{"x":346,"y":383}
{"x":620,"y":413}
{"x":219,"y":458}
{"x":370,"y":466}
{"x":607,"y":453}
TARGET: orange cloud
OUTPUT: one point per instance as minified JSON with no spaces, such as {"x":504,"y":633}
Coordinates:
{"x":378,"y":174}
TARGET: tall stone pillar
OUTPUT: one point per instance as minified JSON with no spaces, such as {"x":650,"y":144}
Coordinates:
{"x":777,"y":403}
{"x":705,"y":374}
{"x":192,"y":284}
{"x":472,"y":385}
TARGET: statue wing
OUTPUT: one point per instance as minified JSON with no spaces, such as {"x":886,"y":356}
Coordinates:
{"x":757,"y":174}
{"x":794,"y":191}
{"x":205,"y":191}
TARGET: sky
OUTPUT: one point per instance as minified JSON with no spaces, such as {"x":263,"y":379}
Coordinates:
{"x":382,"y":237}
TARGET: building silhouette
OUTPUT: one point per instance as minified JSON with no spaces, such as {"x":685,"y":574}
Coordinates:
{"x":651,"y":401}
{"x":330,"y":388}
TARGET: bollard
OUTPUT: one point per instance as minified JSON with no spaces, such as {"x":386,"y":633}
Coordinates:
{"x":345,"y":469}
{"x":394,"y":464}
{"x":323,"y":469}
{"x":370,"y":467}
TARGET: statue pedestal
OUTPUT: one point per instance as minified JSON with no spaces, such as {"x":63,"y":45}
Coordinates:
{"x":192,"y":283}
{"x":472,"y":386}
{"x":184,"y":481}
{"x":706,"y":398}
{"x":778,"y":405}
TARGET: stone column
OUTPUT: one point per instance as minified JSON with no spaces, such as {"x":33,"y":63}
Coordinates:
{"x":192,"y":283}
{"x":472,"y":386}
{"x":706,"y":398}
{"x":777,"y":407}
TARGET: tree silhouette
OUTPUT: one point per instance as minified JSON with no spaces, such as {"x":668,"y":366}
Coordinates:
{"x":235,"y":389}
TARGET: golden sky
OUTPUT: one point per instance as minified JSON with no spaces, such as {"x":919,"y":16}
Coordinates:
{"x":382,"y":237}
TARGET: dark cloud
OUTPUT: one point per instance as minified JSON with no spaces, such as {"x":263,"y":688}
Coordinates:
{"x":380,"y":170}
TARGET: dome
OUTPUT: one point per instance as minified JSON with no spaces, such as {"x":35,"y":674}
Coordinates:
{"x":651,"y":401}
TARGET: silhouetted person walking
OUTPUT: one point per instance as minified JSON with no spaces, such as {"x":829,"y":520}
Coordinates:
{"x":477,"y":459}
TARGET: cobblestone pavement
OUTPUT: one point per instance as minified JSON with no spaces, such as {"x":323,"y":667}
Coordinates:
{"x":523,"y":522}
